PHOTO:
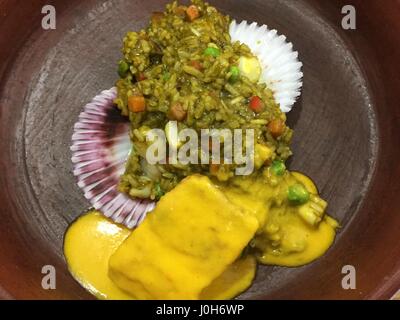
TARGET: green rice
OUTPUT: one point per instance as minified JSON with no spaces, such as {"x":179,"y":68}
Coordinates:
{"x":158,"y":63}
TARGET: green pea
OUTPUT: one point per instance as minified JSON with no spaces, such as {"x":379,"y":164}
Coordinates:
{"x":298,"y":194}
{"x":123,"y":68}
{"x":278,"y":167}
{"x":235,"y":73}
{"x":159,"y":192}
{"x":211,"y":51}
{"x":166,"y":75}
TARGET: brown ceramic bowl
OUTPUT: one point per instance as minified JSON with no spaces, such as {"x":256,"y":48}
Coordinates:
{"x":347,"y":138}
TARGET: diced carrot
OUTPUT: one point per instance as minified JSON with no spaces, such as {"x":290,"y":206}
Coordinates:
{"x":141,"y":76}
{"x":136,"y":103}
{"x":192,"y":12}
{"x":156,"y":17}
{"x":256,"y":104}
{"x":196,"y":64}
{"x":276,"y":127}
{"x":214,"y":168}
{"x":177,"y":112}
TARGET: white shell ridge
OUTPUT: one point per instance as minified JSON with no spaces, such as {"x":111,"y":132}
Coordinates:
{"x":100,"y":149}
{"x":281,"y":68}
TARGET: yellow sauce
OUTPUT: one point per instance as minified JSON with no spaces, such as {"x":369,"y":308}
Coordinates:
{"x":91,"y":240}
{"x":235,"y":280}
{"x":284,"y":237}
{"x":187,"y":248}
{"x":299,"y":244}
{"x":88,"y":245}
{"x":193,"y":235}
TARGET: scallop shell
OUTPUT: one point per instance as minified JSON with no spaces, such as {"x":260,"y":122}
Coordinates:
{"x":281,"y":68}
{"x":100,"y":148}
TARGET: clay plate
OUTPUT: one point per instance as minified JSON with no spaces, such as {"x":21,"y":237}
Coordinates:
{"x":347,"y":127}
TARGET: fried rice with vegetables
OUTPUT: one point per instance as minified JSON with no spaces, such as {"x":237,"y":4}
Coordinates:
{"x":183,"y":67}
